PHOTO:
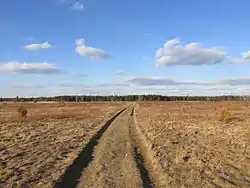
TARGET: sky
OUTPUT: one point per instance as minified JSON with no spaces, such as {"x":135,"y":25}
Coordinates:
{"x":110,"y":47}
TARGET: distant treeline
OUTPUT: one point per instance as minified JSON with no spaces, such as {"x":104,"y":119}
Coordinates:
{"x":84,"y":98}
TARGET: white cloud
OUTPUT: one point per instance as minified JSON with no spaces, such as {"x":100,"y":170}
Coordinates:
{"x":77,"y":6}
{"x":117,"y":89}
{"x":38,"y":46}
{"x":232,"y":86}
{"x":246,"y":55}
{"x":39,"y":68}
{"x":93,"y":53}
{"x":174,"y":53}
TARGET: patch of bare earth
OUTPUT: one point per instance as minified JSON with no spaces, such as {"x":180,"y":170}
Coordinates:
{"x":113,"y":163}
{"x":194,"y":147}
{"x":36,"y":152}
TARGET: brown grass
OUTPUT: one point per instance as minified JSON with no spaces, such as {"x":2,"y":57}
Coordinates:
{"x":193,"y":147}
{"x":36,"y":152}
{"x":224,"y":115}
{"x":22,"y":113}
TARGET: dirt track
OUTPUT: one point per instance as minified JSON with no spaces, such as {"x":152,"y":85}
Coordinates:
{"x":147,"y":144}
{"x":115,"y":158}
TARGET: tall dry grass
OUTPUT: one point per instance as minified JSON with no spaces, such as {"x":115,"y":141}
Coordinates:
{"x":22,"y":113}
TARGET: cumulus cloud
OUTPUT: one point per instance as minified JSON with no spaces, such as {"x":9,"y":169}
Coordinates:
{"x":246,"y":55}
{"x":39,"y":68}
{"x":93,"y":53}
{"x":77,"y":6}
{"x":160,"y":81}
{"x":38,"y":46}
{"x":174,"y":53}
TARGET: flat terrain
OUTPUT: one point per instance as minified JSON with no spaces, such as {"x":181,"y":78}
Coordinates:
{"x":194,"y":148}
{"x":144,"y":144}
{"x":36,"y":152}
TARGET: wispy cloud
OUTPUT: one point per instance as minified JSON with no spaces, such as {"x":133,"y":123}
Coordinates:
{"x":77,"y":6}
{"x":151,"y":81}
{"x":246,"y":55}
{"x":161,"y":81}
{"x":33,"y":47}
{"x":119,"y":72}
{"x":112,"y":85}
{"x":117,"y":89}
{"x":28,"y":68}
{"x":147,"y":34}
{"x":29,"y":38}
{"x":78,"y":74}
{"x":238,"y":60}
{"x":93,"y":53}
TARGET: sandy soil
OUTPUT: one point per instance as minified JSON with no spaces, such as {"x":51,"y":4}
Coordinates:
{"x":36,"y":152}
{"x":194,"y":148}
{"x":113,"y":164}
{"x":117,"y":157}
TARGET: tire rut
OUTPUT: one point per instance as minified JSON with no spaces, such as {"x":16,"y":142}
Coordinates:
{"x":72,"y":175}
{"x":139,"y":158}
{"x":147,"y":183}
{"x":113,"y":162}
{"x":151,"y":171}
{"x":119,"y":155}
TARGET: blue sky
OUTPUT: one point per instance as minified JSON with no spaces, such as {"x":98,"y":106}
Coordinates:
{"x":169,"y":47}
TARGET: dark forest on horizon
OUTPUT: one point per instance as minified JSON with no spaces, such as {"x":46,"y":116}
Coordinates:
{"x":87,"y":98}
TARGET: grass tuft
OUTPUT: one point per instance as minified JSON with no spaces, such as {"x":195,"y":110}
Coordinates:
{"x":22,"y":113}
{"x":224,"y":115}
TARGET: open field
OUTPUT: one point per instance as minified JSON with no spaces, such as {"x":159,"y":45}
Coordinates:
{"x":194,"y":148}
{"x":119,"y":144}
{"x":35,"y":152}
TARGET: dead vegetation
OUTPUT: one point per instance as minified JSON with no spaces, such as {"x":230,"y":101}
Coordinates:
{"x":197,"y":148}
{"x":37,"y":151}
{"x":195,"y":145}
{"x":22,"y":113}
{"x":224,"y":115}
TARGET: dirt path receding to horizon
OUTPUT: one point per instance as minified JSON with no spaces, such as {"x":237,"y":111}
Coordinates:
{"x":115,"y":157}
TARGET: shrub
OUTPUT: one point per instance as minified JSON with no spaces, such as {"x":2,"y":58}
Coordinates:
{"x":225,"y":115}
{"x":22,"y":113}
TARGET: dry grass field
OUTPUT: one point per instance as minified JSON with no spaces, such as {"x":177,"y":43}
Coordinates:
{"x":36,"y":151}
{"x":160,"y":144}
{"x":199,"y":144}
